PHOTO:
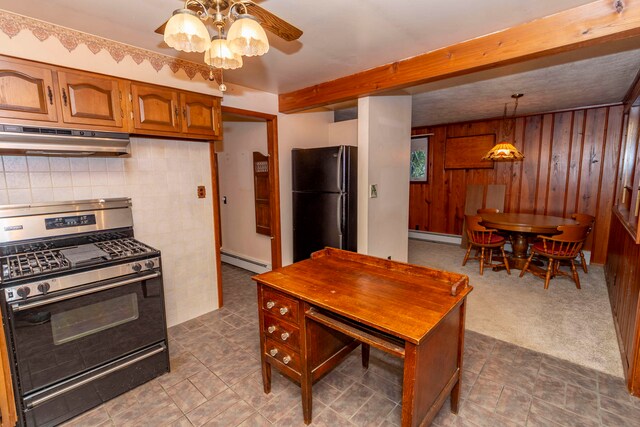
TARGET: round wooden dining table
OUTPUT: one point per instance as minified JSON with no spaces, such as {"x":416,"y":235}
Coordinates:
{"x":523,"y":226}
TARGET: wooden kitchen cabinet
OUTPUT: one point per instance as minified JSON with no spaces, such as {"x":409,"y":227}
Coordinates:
{"x":89,"y":99}
{"x":200,"y":114}
{"x":45,"y":95}
{"x":27,"y":92}
{"x":155,"y":108}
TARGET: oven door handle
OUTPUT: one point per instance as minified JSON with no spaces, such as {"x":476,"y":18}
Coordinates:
{"x":38,"y":401}
{"x":21,"y":307}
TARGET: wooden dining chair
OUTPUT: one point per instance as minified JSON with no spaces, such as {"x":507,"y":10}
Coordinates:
{"x":486,"y":240}
{"x":565,"y":246}
{"x":584,"y":219}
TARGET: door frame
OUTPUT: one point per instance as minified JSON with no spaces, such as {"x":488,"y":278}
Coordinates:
{"x":274,"y":192}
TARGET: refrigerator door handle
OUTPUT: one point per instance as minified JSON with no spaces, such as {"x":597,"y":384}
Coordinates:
{"x":339,"y":168}
{"x":339,"y":218}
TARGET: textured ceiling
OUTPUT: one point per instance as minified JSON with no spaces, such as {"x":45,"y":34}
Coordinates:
{"x":343,"y":37}
{"x":590,"y":77}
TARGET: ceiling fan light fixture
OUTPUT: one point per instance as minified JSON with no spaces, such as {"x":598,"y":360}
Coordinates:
{"x":246,"y":37}
{"x":219,"y":55}
{"x":186,"y":32}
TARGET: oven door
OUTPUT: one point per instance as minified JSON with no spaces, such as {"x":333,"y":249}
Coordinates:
{"x":61,"y":335}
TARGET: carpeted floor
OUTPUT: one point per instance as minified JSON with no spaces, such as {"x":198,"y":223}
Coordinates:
{"x":571,"y":324}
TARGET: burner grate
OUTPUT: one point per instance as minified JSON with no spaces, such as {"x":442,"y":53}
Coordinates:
{"x":45,"y":261}
{"x":123,"y":248}
{"x":32,"y":264}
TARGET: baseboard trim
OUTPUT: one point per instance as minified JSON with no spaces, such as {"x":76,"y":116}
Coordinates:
{"x":246,"y":263}
{"x":435,"y":237}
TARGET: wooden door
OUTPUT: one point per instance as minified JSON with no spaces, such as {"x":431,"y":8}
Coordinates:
{"x":155,"y":108}
{"x":27,"y":92}
{"x":200,"y":114}
{"x":89,"y":99}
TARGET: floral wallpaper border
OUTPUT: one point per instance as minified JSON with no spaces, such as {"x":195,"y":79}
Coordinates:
{"x":11,"y":24}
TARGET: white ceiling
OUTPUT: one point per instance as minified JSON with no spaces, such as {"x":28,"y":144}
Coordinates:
{"x":343,"y":37}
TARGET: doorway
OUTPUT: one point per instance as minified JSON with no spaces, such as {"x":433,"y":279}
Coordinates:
{"x":236,"y":115}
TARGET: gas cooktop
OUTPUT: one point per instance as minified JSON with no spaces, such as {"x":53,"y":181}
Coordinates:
{"x":38,"y":261}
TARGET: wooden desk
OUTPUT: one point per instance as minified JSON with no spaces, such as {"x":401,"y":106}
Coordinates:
{"x":521,"y":226}
{"x":314,"y":312}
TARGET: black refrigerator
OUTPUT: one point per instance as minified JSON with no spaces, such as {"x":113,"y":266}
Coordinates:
{"x":325,"y":181}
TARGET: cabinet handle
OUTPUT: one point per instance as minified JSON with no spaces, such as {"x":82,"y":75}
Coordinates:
{"x":286,"y":360}
{"x":184,"y":112}
{"x":64,"y":97}
{"x":284,"y":336}
{"x":50,"y":95}
{"x":271,"y":304}
{"x":271,"y":329}
{"x":177,"y":114}
{"x":284,"y":310}
{"x":273,"y":352}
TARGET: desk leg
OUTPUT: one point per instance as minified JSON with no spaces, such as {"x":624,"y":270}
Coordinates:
{"x":306,"y":379}
{"x":432,"y":371}
{"x":365,"y":355}
{"x":266,"y":376}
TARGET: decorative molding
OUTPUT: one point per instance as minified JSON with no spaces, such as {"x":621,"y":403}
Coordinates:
{"x":12,"y":24}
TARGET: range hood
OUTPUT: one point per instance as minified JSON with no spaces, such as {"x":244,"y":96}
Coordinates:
{"x":37,"y":141}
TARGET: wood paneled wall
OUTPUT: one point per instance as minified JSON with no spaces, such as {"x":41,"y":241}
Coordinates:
{"x":570,"y":165}
{"x":623,"y":284}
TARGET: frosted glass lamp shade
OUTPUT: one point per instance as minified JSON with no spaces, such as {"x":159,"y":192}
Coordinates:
{"x":186,"y":32}
{"x":220,"y":56}
{"x":246,"y":37}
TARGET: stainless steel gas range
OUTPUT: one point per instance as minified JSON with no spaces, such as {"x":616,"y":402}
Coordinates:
{"x":82,"y":306}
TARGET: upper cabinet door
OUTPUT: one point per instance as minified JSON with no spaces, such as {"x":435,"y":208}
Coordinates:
{"x":91,"y":100}
{"x":200,"y":114}
{"x":27,"y":92}
{"x":155,"y":108}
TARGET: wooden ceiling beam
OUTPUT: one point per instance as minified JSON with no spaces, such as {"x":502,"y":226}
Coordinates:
{"x":586,"y":25}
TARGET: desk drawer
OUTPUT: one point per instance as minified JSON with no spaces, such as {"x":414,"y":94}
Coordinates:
{"x":280,"y":331}
{"x":280,"y":305}
{"x":282,"y":354}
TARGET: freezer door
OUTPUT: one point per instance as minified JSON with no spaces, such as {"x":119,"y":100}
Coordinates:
{"x":318,"y":169}
{"x":317,"y":222}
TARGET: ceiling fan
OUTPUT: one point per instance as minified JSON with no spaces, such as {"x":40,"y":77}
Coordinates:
{"x":240,"y":26}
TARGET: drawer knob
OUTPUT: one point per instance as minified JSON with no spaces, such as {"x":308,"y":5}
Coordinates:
{"x":273,"y":351}
{"x":271,"y":329}
{"x":286,"y":360}
{"x":284,"y":310}
{"x":271,"y":304}
{"x":284,"y":336}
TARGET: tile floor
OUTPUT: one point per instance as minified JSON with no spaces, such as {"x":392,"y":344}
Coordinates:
{"x":215,"y":381}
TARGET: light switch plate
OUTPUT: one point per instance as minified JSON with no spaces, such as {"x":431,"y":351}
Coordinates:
{"x":373,"y":191}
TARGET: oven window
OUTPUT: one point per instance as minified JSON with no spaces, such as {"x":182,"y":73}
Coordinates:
{"x":80,"y":322}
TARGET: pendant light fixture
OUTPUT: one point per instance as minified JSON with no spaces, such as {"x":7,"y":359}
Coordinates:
{"x":505,"y":150}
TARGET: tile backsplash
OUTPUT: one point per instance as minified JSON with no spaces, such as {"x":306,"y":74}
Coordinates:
{"x":160,"y":177}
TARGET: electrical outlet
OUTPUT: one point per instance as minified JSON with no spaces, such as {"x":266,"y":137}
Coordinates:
{"x":202,"y":192}
{"x":373,"y":191}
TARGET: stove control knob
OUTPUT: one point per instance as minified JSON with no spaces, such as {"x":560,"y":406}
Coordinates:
{"x":44,"y":287}
{"x":149,"y":264}
{"x":23,"y":292}
{"x":136,"y":267}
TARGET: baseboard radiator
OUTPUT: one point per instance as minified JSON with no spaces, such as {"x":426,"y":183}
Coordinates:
{"x":247,"y":263}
